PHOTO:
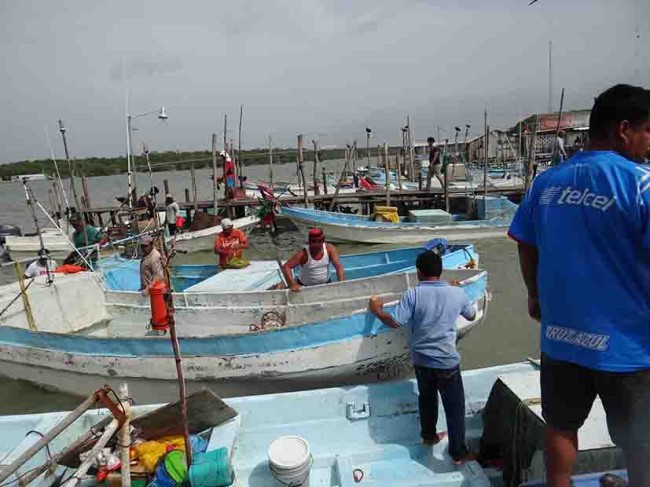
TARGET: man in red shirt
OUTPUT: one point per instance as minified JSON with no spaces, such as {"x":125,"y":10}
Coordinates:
{"x":230,"y":243}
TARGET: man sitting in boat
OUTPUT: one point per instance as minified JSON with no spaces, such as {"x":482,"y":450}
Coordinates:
{"x":84,"y":235}
{"x":41,"y":265}
{"x":314,"y":261}
{"x":152,"y":264}
{"x":229,"y":244}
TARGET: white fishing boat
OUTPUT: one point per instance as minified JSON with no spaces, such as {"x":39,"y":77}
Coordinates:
{"x":75,"y":332}
{"x":494,"y":216}
{"x":347,"y":436}
{"x":204,"y":239}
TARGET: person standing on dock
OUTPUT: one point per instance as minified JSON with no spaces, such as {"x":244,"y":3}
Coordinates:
{"x":435,"y":163}
{"x":560,"y":155}
{"x":314,"y":261}
{"x":172,"y":210}
{"x":152,"y":264}
{"x":430,"y":311}
{"x":583,"y":233}
{"x":230,"y":243}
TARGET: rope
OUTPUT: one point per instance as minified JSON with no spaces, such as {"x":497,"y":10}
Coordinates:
{"x":16,"y":298}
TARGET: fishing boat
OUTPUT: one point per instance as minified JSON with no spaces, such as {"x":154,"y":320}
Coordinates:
{"x":74,"y":331}
{"x":354,"y":435}
{"x":204,"y":239}
{"x":494,"y":216}
{"x":60,"y":245}
{"x":237,"y":298}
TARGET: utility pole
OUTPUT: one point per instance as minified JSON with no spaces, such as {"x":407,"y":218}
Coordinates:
{"x":240,"y":166}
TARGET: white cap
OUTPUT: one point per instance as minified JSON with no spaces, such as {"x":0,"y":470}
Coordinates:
{"x":226,"y":223}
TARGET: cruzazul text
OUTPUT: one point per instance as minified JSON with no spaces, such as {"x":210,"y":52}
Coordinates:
{"x":592,"y":341}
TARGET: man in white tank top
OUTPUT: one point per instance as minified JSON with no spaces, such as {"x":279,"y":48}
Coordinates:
{"x":314,"y":261}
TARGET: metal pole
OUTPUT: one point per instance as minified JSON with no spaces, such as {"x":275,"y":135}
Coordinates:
{"x":128,"y":162}
{"x":70,"y":165}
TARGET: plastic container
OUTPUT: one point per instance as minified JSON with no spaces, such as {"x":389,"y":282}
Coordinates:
{"x":290,"y":460}
{"x":211,"y":469}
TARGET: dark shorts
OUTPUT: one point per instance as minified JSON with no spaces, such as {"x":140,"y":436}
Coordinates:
{"x":569,"y":391}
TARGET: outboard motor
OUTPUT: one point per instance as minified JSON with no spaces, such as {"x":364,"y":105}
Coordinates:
{"x":10,"y":230}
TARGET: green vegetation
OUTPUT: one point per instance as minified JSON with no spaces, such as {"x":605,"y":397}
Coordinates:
{"x":160,"y":161}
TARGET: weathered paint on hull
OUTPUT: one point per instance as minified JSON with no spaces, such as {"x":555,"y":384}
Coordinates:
{"x":368,"y":358}
{"x":399,"y":235}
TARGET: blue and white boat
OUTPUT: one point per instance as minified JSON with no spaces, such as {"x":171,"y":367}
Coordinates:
{"x":494,"y":216}
{"x":74,"y":332}
{"x":359,"y":435}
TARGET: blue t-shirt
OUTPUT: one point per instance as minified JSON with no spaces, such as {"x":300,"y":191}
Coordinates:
{"x":431,"y":310}
{"x":590,"y":221}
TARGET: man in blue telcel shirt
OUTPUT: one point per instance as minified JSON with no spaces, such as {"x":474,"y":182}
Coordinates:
{"x":583,"y":233}
{"x":431,"y":311}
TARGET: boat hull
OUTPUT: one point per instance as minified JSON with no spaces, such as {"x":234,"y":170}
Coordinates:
{"x":396,"y":235}
{"x":367,"y":358}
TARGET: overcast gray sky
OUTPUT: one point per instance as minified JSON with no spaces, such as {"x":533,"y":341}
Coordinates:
{"x":300,"y":66}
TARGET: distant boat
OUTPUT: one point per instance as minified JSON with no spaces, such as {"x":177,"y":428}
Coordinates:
{"x":31,"y":177}
{"x":495,"y":214}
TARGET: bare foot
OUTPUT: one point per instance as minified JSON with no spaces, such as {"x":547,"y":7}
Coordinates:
{"x":467,"y":458}
{"x":436,"y":439}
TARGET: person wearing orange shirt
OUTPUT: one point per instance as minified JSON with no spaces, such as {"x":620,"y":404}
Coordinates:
{"x":230,"y":243}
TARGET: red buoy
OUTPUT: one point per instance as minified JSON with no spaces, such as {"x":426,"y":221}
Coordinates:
{"x":159,"y":316}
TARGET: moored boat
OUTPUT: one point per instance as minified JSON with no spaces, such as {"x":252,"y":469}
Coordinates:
{"x":365,"y":434}
{"x":72,"y":335}
{"x":494,"y":215}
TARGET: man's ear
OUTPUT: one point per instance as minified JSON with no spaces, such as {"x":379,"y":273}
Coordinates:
{"x":623,"y":131}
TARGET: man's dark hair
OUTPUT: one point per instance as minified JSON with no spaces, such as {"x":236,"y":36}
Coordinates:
{"x":429,"y":264}
{"x":430,"y":139}
{"x":618,"y":103}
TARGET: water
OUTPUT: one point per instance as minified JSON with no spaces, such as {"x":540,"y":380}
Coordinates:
{"x":508,"y":335}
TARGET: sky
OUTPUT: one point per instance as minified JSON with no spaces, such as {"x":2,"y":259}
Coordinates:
{"x":326,"y":69}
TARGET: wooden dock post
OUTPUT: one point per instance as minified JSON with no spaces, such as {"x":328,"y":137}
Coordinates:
{"x":187,"y":196}
{"x":410,"y":143}
{"x":387,"y":172}
{"x":315,"y":169}
{"x":486,"y":144}
{"x":195,"y":196}
{"x":324,"y":180}
{"x":84,"y":187}
{"x":215,"y":196}
{"x":398,"y":173}
{"x":348,"y":157}
{"x":271,"y":163}
{"x":166,"y":186}
{"x":301,"y":170}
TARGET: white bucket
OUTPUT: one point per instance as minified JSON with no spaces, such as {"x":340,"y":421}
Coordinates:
{"x":290,"y":461}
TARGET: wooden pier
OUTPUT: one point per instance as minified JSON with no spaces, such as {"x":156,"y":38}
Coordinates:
{"x":367,"y":200}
